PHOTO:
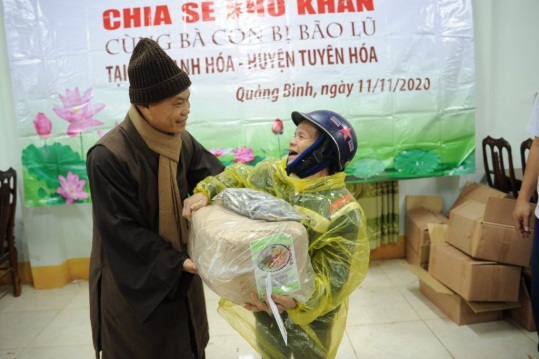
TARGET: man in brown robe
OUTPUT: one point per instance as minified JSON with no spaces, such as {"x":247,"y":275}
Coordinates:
{"x":146,"y":299}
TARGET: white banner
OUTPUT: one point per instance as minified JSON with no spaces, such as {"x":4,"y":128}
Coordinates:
{"x":401,"y":71}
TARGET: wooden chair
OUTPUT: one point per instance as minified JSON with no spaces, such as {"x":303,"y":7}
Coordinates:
{"x":8,"y":251}
{"x":498,"y":161}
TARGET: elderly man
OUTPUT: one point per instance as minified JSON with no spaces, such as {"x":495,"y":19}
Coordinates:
{"x":146,"y":299}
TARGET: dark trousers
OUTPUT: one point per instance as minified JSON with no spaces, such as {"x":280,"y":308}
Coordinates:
{"x":534,"y":264}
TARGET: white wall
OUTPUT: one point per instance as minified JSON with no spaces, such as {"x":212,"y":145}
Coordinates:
{"x":507,"y":78}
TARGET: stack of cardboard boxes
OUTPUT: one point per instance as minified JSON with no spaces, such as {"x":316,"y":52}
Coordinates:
{"x":471,"y":263}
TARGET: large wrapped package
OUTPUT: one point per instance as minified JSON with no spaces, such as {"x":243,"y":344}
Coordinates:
{"x":232,"y":252}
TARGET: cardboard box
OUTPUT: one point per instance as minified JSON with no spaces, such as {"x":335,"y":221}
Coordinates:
{"x":486,"y":231}
{"x":523,"y":315}
{"x":456,"y":308}
{"x":477,"y":192}
{"x":431,"y":203}
{"x":474,"y":280}
{"x":417,"y":234}
{"x":420,"y":212}
{"x":453,"y":305}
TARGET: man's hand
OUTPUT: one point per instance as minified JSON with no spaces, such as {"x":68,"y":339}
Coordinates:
{"x":521,"y":217}
{"x":283,"y":302}
{"x":196,"y":201}
{"x":190,"y":266}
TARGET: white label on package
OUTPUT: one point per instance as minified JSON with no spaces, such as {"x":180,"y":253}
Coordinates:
{"x":275,"y":254}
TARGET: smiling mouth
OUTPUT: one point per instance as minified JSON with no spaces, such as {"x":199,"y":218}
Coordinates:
{"x":291,"y":156}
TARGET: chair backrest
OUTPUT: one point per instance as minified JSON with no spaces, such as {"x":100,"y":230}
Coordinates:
{"x":524,"y":151}
{"x":498,"y":161}
{"x":8,"y":202}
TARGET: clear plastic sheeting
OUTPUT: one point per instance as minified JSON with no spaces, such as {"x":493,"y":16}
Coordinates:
{"x":339,"y":251}
{"x":258,"y":205}
{"x":232,"y":252}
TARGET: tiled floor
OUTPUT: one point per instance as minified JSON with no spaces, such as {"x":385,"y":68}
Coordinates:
{"x":388,"y":318}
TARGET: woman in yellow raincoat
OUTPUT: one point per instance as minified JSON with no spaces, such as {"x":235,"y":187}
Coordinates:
{"x":311,"y":178}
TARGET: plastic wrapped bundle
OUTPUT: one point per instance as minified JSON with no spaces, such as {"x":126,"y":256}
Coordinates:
{"x":258,"y":205}
{"x":232,"y":252}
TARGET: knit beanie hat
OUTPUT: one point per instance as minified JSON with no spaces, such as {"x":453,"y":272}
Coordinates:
{"x":153,"y":75}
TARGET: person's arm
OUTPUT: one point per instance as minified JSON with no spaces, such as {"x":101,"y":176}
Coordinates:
{"x":522,"y":212}
{"x":234,"y":176}
{"x":145,"y":267}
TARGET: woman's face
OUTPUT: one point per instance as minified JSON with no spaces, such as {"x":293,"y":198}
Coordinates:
{"x":169,"y":115}
{"x":305,"y":135}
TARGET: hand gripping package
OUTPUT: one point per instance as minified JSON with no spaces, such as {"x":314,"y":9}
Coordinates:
{"x":244,"y":235}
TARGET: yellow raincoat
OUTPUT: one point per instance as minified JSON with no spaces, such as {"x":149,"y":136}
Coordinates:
{"x":339,"y":252}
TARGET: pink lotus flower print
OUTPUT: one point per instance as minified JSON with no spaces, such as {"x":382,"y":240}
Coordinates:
{"x":78,"y":111}
{"x":277,"y":127}
{"x":71,"y":188}
{"x":43,"y":126}
{"x":243,"y":155}
{"x":219,"y":151}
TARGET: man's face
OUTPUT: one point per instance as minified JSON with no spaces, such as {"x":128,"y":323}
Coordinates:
{"x":169,"y":115}
{"x":305,"y":135}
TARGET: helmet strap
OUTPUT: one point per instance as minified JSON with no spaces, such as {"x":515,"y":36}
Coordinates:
{"x":315,"y":158}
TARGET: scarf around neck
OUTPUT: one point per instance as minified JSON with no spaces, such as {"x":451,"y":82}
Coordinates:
{"x":172,"y":225}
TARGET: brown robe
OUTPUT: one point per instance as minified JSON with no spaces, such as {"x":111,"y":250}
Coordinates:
{"x":142,"y":305}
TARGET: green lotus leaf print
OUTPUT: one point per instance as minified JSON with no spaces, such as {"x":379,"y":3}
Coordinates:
{"x":416,"y":161}
{"x":367,"y":168}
